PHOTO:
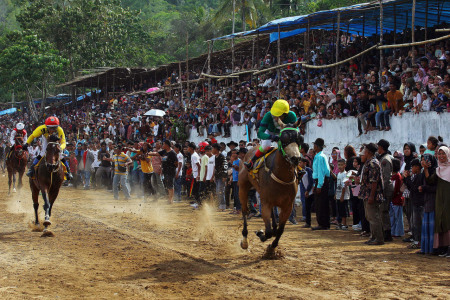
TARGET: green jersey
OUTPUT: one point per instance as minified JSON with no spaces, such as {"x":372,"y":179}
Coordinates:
{"x":268,"y":123}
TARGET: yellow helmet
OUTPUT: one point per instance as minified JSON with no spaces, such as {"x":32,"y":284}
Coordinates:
{"x":279,"y":107}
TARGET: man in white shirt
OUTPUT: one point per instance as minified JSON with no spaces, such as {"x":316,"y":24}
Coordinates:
{"x":179,"y":170}
{"x":195,"y":163}
{"x":209,"y":183}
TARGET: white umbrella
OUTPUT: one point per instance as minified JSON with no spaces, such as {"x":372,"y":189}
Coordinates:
{"x":155,"y":113}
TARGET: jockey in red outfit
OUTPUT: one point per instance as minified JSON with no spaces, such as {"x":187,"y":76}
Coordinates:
{"x":19,"y":130}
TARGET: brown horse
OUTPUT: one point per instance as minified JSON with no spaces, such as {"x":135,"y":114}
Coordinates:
{"x":16,"y":163}
{"x":48,"y":179}
{"x":276,"y":182}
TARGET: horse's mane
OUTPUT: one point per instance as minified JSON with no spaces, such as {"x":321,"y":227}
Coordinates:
{"x":53,"y":138}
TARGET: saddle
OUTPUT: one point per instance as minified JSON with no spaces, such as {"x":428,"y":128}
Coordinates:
{"x":260,"y":162}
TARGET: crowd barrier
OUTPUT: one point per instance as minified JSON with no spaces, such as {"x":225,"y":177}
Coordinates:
{"x":409,"y":127}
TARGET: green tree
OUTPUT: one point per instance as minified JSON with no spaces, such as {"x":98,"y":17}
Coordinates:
{"x":27,"y":64}
{"x":90,"y":33}
{"x":248,"y":9}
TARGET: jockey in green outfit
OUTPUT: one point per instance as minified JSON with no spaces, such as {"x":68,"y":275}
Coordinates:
{"x":269,"y":130}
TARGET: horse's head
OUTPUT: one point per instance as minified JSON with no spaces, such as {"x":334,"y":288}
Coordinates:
{"x":53,"y":152}
{"x":290,"y":143}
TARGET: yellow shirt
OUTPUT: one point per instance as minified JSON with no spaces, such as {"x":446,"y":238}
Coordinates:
{"x":43,"y":131}
{"x":306,"y":105}
{"x":146,"y":167}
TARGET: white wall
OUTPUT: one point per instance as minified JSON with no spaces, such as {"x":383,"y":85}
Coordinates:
{"x":407,"y":128}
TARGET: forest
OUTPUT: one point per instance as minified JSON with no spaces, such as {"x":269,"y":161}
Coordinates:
{"x":45,"y":42}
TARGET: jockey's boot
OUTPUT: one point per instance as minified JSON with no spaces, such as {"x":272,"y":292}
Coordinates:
{"x":249,"y":164}
{"x":69,"y":175}
{"x":30,"y":172}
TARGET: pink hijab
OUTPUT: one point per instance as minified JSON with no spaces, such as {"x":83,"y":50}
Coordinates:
{"x":443,"y":171}
{"x":335,"y":162}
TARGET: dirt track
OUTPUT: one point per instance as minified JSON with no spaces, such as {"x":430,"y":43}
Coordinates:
{"x":106,"y":249}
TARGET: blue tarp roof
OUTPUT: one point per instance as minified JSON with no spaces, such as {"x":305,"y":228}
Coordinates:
{"x":8,"y":111}
{"x":362,"y":17}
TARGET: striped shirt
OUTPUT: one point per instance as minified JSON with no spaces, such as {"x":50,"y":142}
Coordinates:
{"x":120,"y":160}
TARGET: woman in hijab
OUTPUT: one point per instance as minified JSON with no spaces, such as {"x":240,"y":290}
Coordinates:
{"x":335,"y":155}
{"x":421,"y":76}
{"x":429,"y":192}
{"x":409,"y":153}
{"x":441,"y":179}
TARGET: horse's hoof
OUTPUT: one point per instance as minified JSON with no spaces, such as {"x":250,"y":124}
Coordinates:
{"x":244,"y":244}
{"x":259,"y":233}
{"x":14,"y":190}
{"x":47,"y":223}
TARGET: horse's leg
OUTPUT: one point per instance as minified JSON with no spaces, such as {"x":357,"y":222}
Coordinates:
{"x":46,"y":209}
{"x":52,"y":195}
{"x":35,"y":197}
{"x":274,"y":221}
{"x":244,"y":186}
{"x":14,"y":181}
{"x":9,"y":181}
{"x":265,"y":214}
{"x":19,"y":185}
{"x":284,"y":216}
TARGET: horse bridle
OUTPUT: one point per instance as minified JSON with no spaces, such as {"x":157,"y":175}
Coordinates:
{"x":289,"y":135}
{"x":58,"y":161}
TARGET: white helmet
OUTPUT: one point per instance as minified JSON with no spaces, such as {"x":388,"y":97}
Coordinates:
{"x":20,"y":126}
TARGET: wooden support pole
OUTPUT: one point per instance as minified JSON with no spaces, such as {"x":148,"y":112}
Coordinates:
{"x":363,"y":41}
{"x":336,"y":69}
{"x":413,"y":18}
{"x":209,"y":70}
{"x":381,"y":43}
{"x":187,"y":67}
{"x":395,"y":24}
{"x":253,"y":53}
{"x":308,"y":53}
{"x":181,"y":80}
{"x":279,"y":60}
{"x":426,"y":20}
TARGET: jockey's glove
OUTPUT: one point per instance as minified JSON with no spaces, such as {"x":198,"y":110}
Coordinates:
{"x":25,"y":147}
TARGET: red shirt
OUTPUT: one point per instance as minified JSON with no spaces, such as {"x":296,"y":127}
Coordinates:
{"x":397,"y":198}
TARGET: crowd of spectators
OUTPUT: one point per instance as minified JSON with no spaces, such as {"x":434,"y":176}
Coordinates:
{"x":112,"y":145}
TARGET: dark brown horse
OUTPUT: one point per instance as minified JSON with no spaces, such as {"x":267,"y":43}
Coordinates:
{"x":48,"y":179}
{"x":276,"y":182}
{"x":16,"y":163}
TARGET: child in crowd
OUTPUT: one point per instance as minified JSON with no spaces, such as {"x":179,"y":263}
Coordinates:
{"x":396,"y":209}
{"x":342,"y":195}
{"x":307,"y":185}
{"x":73,"y":165}
{"x":413,"y":180}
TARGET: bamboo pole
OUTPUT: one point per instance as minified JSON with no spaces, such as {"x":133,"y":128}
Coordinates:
{"x":363,"y":42}
{"x":253,"y":53}
{"x":279,"y":60}
{"x":179,"y":77}
{"x":395,"y":24}
{"x":381,"y":42}
{"x":308,"y":54}
{"x":426,"y":20}
{"x":209,"y":70}
{"x":413,"y":18}
{"x":336,"y":69}
{"x":187,"y":66}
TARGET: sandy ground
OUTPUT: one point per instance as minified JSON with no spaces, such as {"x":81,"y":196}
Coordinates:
{"x":106,"y":249}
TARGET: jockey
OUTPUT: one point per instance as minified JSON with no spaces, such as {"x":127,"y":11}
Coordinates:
{"x":269,"y":129}
{"x":51,"y":127}
{"x":18,"y":131}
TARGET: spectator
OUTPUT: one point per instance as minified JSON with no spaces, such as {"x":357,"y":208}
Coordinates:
{"x":321,"y":175}
{"x":219,"y":175}
{"x":441,"y":179}
{"x":385,"y":160}
{"x":396,"y":209}
{"x":121,"y":163}
{"x":372,"y":193}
